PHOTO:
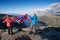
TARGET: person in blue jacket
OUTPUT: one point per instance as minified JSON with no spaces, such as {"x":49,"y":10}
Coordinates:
{"x":33,"y":23}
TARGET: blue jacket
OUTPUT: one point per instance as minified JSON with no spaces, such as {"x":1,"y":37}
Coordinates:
{"x":33,"y":20}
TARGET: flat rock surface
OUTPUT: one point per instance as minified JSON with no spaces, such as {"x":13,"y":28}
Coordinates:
{"x":5,"y":36}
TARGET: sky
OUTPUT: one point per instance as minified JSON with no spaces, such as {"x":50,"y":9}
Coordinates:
{"x":23,"y":6}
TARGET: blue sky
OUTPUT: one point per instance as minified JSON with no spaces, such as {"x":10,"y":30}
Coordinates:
{"x":21,"y":6}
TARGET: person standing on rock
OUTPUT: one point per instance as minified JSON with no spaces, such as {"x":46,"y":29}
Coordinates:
{"x":33,"y":23}
{"x":8,"y":22}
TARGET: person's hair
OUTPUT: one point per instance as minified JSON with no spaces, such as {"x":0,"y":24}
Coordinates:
{"x":35,"y":14}
{"x":7,"y":16}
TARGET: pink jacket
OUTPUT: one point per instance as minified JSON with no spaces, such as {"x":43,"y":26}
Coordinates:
{"x":8,"y":22}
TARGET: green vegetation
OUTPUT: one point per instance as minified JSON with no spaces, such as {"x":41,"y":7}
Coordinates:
{"x":50,"y":20}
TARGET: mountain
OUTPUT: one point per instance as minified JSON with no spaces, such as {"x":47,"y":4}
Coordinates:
{"x":3,"y":15}
{"x":52,"y":9}
{"x":50,"y":20}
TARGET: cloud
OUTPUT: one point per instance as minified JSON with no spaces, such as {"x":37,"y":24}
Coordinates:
{"x":52,"y":9}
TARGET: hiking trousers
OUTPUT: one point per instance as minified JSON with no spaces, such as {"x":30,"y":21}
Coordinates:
{"x":33,"y":28}
{"x":10,"y":30}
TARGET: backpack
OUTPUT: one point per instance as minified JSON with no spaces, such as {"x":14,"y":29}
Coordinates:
{"x":27,"y":23}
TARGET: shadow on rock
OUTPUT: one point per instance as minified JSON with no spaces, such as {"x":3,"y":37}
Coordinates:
{"x":51,"y":33}
{"x":23,"y":37}
{"x":41,"y":23}
{"x":18,"y":26}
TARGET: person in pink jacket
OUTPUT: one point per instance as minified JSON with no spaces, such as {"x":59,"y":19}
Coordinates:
{"x":8,"y":22}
